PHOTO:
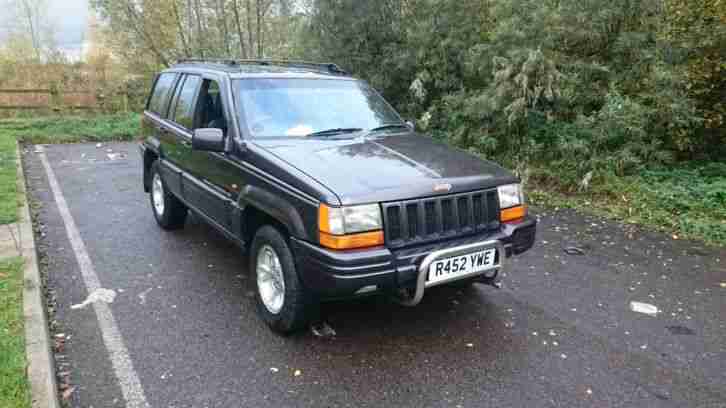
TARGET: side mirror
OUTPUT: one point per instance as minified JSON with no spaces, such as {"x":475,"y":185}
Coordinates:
{"x":208,"y":139}
{"x":411,"y":125}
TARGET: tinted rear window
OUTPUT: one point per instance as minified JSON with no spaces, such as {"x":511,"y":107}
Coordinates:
{"x":160,"y":96}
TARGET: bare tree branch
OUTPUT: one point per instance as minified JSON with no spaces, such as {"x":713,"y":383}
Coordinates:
{"x":180,"y":27}
{"x":242,"y":47}
{"x":138,"y":26}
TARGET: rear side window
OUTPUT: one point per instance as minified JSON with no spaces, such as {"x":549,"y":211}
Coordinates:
{"x":184,"y":110}
{"x":160,"y":96}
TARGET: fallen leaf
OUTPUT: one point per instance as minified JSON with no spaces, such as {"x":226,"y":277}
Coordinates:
{"x":680,"y":330}
{"x":66,"y":395}
{"x":323,"y":330}
{"x":573,"y":250}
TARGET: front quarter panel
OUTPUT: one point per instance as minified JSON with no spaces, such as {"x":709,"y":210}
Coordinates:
{"x":275,"y":189}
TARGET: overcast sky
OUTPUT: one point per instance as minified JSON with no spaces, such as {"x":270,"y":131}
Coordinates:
{"x":70,"y":18}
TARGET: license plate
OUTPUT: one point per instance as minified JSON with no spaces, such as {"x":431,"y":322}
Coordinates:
{"x":467,"y":264}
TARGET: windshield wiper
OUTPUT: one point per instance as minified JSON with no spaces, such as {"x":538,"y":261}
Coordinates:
{"x":334,"y":131}
{"x":390,"y":126}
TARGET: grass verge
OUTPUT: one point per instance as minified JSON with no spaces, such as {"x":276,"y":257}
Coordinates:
{"x":688,"y":201}
{"x":14,"y":388}
{"x":72,"y":129}
{"x":8,"y":168}
{"x":53,"y":129}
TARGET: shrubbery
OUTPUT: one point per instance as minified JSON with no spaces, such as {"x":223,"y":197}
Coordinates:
{"x":567,"y":89}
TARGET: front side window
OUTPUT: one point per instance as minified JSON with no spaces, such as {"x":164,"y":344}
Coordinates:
{"x":160,"y":96}
{"x":211,"y":108}
{"x":184,"y":110}
{"x":277,"y":107}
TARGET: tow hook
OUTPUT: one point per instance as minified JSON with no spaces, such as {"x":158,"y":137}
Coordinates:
{"x":492,"y":281}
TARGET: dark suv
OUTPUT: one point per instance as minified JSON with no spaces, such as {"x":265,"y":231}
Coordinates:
{"x":328,"y":190}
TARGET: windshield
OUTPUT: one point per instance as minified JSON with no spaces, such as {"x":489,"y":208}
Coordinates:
{"x":299,"y":107}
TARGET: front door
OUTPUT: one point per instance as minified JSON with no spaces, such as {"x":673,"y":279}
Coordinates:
{"x":207,"y":184}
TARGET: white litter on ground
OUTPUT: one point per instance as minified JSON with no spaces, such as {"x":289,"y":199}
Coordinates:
{"x":645,"y":308}
{"x":98,"y":295}
{"x":142,"y":296}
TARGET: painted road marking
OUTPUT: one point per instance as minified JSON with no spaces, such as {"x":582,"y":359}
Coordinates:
{"x":131,"y":387}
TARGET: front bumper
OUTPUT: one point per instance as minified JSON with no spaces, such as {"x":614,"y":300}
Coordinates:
{"x":340,"y":274}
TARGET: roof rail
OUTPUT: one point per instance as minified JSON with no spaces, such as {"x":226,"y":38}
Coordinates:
{"x":223,"y":61}
{"x":321,"y":66}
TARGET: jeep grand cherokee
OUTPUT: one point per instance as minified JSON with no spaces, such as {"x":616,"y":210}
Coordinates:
{"x":321,"y":182}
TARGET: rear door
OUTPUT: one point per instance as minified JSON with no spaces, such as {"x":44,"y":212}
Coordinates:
{"x":155,"y":125}
{"x":181,"y":114}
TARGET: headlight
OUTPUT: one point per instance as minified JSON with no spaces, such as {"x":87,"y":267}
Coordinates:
{"x":511,"y":203}
{"x":350,"y":227}
{"x":510,"y":195}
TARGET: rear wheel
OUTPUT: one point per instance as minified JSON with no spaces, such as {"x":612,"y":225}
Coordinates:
{"x":170,"y":213}
{"x":282,"y":301}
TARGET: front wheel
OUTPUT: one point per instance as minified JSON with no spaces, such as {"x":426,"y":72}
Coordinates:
{"x":282,"y":301}
{"x":170,"y":213}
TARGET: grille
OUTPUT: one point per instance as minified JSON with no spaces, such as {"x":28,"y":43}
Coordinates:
{"x":423,"y":220}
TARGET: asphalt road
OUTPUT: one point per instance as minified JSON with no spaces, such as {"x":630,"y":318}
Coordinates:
{"x":559,"y":333}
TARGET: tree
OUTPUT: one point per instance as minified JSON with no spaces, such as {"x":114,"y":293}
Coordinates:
{"x":167,"y":30}
{"x":697,"y":29}
{"x":27,"y":19}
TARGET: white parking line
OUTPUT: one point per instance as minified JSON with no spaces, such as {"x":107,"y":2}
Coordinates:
{"x":131,"y":387}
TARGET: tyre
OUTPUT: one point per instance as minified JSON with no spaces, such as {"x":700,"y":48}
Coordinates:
{"x":170,"y":213}
{"x":281,"y":300}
